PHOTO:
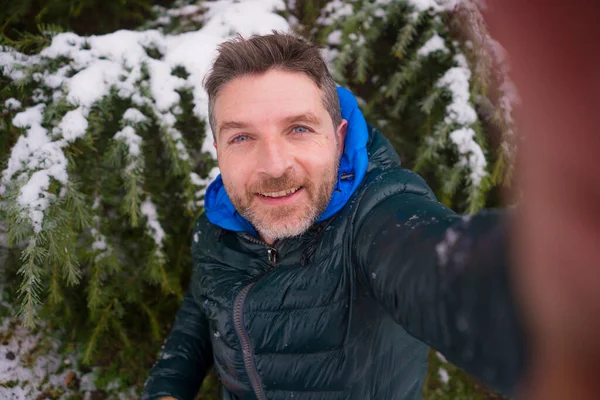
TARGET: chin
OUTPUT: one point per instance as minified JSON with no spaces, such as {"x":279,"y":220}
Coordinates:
{"x":284,"y":229}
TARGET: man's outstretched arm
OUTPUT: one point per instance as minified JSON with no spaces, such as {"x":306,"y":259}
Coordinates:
{"x":185,"y":358}
{"x":446,"y":280}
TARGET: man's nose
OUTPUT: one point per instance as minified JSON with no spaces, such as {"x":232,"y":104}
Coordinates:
{"x":274,"y":158}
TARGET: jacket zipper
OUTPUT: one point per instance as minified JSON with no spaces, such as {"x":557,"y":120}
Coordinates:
{"x":238,"y":320}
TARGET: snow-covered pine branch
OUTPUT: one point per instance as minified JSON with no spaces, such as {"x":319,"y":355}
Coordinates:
{"x":423,"y":94}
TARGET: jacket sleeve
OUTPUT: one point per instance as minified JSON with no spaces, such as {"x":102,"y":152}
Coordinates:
{"x":185,"y":358}
{"x":445,"y":279}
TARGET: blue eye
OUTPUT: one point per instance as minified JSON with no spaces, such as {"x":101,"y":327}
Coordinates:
{"x":300,"y":129}
{"x":239,"y":139}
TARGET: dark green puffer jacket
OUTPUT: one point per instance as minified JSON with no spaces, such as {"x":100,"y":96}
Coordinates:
{"x":349,"y":309}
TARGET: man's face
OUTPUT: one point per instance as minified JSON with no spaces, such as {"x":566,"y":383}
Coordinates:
{"x":278,"y":151}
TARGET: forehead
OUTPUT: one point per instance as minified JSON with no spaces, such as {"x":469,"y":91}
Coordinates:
{"x":273,"y":95}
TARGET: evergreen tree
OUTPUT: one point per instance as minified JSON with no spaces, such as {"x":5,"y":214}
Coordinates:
{"x":20,"y":17}
{"x":433,"y":81}
{"x":103,"y":179}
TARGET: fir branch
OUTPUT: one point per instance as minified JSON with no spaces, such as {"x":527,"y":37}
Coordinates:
{"x":176,"y":151}
{"x":154,"y":325}
{"x":60,"y":240}
{"x":399,"y":106}
{"x":102,"y":323}
{"x":132,"y":199}
{"x":405,"y":37}
{"x":102,"y":267}
{"x":431,"y":100}
{"x":427,"y":151}
{"x":55,"y":295}
{"x":19,"y":227}
{"x":343,"y":59}
{"x":94,"y":298}
{"x":117,"y":326}
{"x":31,"y":285}
{"x":405,"y":75}
{"x":477,"y":196}
{"x":131,"y":175}
{"x":157,"y":273}
{"x":452,"y":182}
{"x":71,"y":269}
{"x":75,"y":202}
{"x":189,"y":196}
{"x":498,"y":170}
{"x":362,"y":63}
{"x":26,"y":42}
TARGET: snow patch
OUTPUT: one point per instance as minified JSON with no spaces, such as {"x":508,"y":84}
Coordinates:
{"x":435,"y":5}
{"x":443,"y":374}
{"x":456,"y":80}
{"x":471,"y":154}
{"x":74,"y":124}
{"x":155,"y":230}
{"x":93,"y":83}
{"x":35,"y":151}
{"x":133,"y":140}
{"x":12,"y":104}
{"x":436,"y":43}
{"x":335,"y":37}
{"x":44,"y":375}
{"x":460,"y":112}
{"x":12,"y":63}
{"x":334,"y":11}
{"x":441,"y":357}
{"x":443,"y":247}
{"x":134,"y":116}
{"x":99,"y":240}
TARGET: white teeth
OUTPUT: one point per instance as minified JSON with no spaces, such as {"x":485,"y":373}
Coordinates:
{"x":281,"y":193}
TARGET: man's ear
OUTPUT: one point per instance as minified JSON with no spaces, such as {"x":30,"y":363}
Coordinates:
{"x":340,"y":134}
{"x":215,"y":144}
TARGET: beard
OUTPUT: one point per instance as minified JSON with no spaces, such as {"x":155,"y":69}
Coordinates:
{"x":283,"y":221}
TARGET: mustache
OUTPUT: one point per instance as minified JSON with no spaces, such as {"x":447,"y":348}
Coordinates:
{"x":275,"y":184}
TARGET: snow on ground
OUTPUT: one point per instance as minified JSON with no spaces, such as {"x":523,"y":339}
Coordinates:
{"x":32,"y":365}
{"x":22,"y":371}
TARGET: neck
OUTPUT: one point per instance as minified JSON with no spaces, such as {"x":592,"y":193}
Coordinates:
{"x":266,"y":239}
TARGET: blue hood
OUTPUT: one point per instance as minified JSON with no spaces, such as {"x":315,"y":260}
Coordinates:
{"x":353,"y":166}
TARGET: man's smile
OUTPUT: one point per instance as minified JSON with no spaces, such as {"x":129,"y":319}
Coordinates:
{"x":281,"y":193}
{"x":281,"y":197}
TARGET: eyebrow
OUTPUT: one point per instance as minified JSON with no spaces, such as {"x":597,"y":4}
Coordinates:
{"x":227,"y":125}
{"x":304,"y":117}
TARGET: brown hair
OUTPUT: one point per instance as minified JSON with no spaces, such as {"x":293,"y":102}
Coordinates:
{"x":258,"y":54}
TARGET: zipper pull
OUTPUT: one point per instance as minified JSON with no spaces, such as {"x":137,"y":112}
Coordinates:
{"x":272,"y":256}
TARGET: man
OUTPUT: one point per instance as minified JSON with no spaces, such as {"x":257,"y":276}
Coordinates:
{"x":322,"y":269}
